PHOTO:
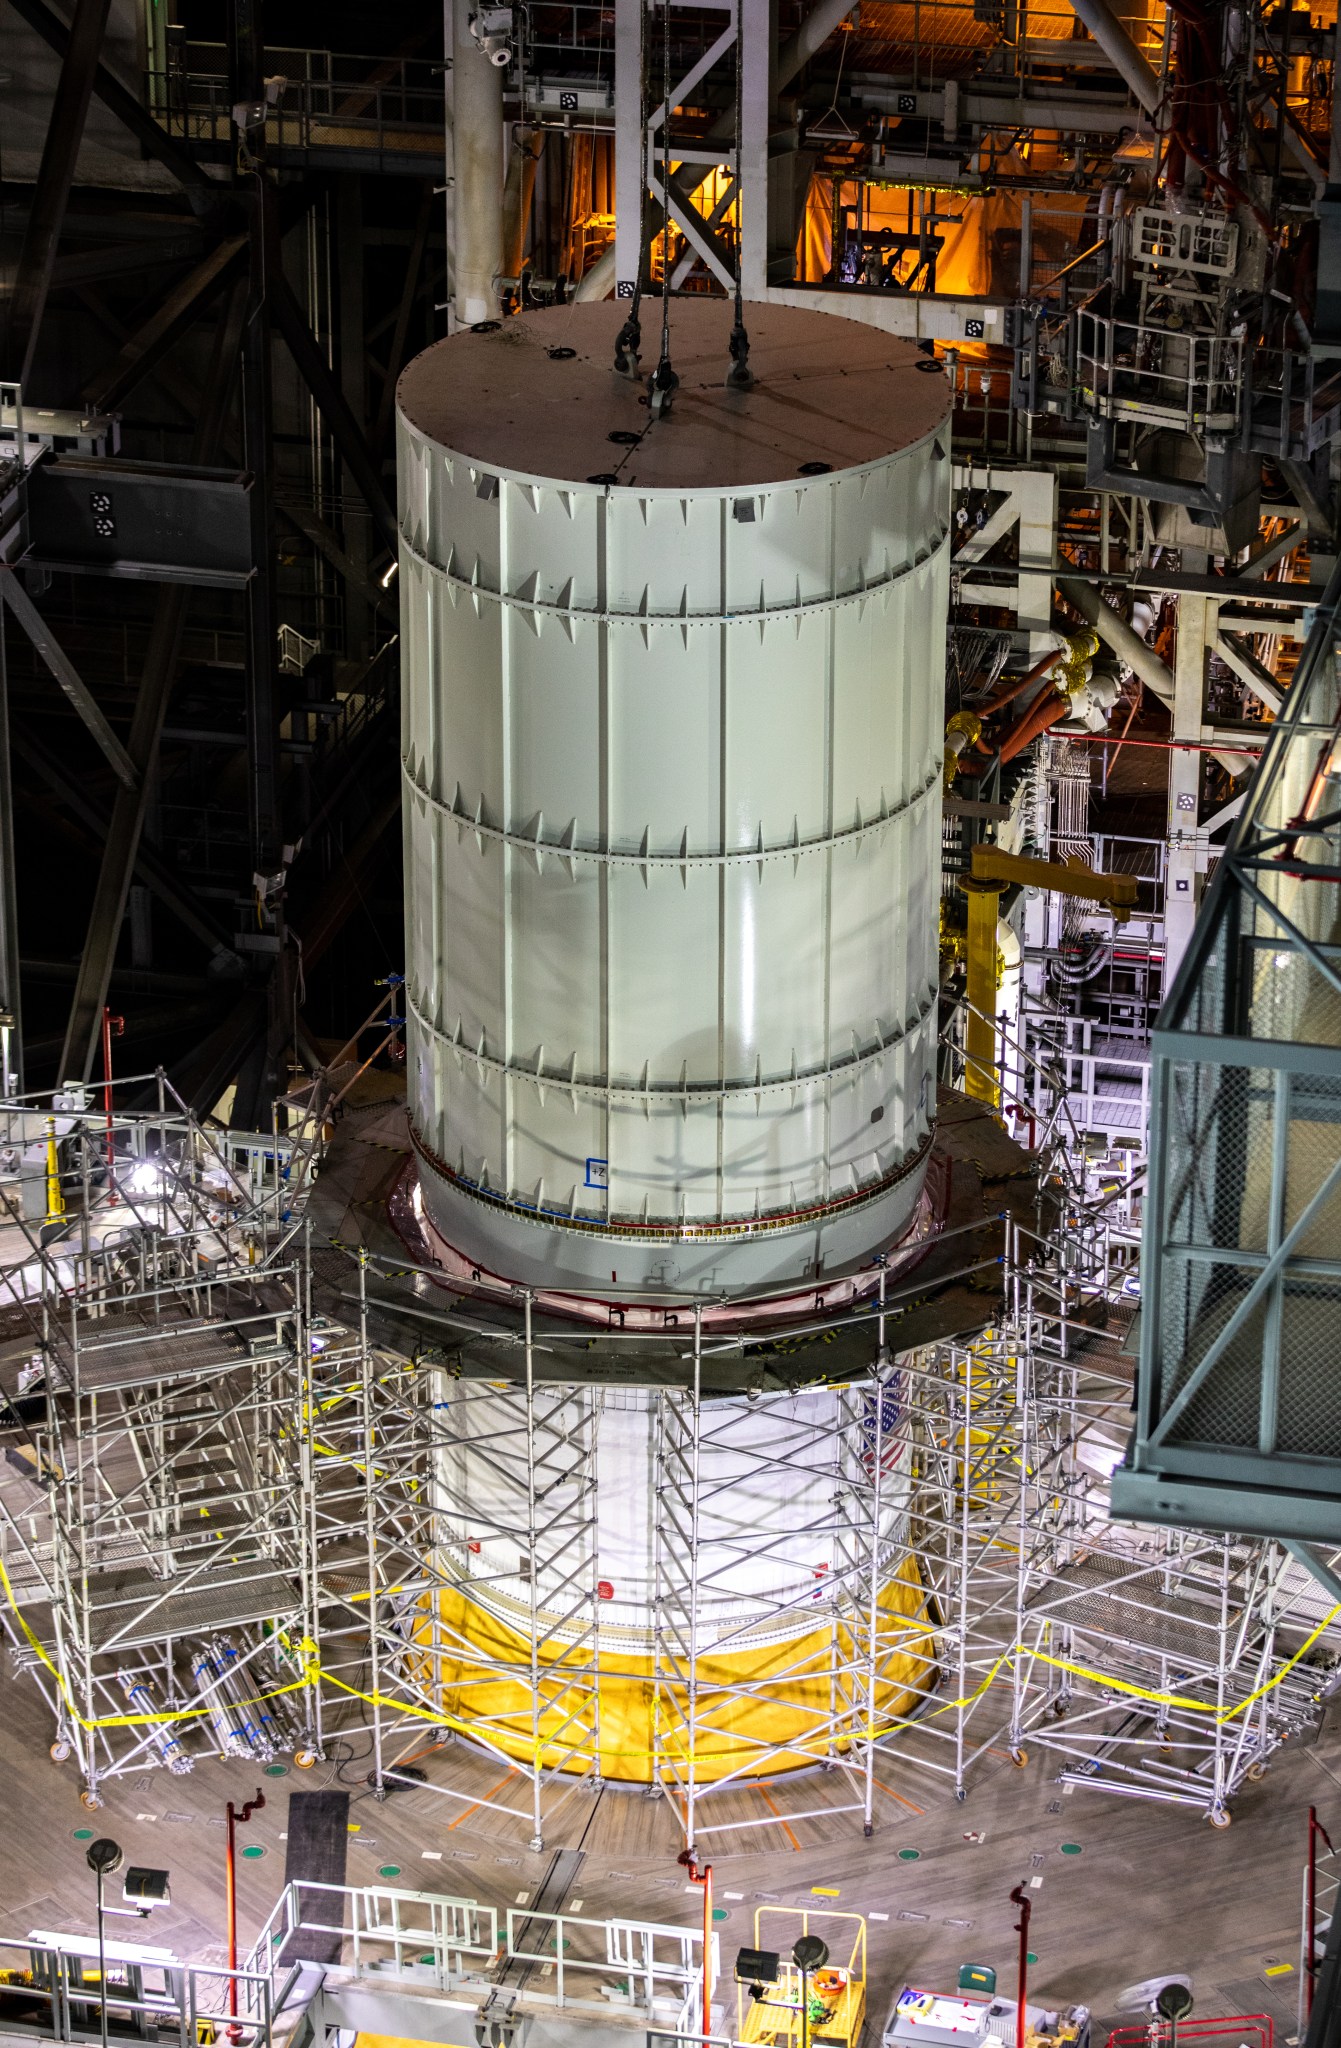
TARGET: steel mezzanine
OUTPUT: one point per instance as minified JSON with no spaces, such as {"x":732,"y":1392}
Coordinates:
{"x":1236,"y":1427}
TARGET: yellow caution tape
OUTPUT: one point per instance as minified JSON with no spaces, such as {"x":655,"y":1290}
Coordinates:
{"x":438,"y":1717}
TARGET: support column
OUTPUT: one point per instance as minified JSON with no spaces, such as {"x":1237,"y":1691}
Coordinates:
{"x":757,"y":51}
{"x":1182,"y":890}
{"x":630,"y":145}
{"x":246,"y":55}
{"x":37,"y":259}
{"x":477,"y":193}
{"x":11,"y":1017}
{"x":353,"y":386}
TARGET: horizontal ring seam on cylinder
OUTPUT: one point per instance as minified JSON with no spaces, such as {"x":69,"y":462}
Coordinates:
{"x":558,"y":849}
{"x":677,"y":1233}
{"x":694,"y":1094}
{"x":732,"y":615}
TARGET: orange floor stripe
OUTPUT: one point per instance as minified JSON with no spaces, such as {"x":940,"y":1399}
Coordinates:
{"x":896,"y":1795}
{"x":467,"y":1811}
{"x":773,"y":1809}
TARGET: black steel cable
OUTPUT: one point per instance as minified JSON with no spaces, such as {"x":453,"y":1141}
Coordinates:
{"x":740,"y":376}
{"x":664,"y":379}
{"x":628,"y":342}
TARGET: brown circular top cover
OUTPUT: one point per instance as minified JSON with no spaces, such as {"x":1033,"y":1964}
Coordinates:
{"x":827,"y":390}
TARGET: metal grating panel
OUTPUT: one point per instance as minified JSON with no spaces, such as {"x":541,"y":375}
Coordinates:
{"x":137,"y":1608}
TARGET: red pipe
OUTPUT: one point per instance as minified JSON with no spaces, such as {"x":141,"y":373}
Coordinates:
{"x":1170,"y":746}
{"x":1020,"y":1897}
{"x":689,"y":1865}
{"x":230,"y":1899}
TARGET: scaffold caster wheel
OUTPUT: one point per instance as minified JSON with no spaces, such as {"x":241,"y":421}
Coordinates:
{"x":1219,"y":1817}
{"x":1256,"y":1772}
{"x":961,"y":1793}
{"x":1019,"y":1757}
{"x":92,"y":1800}
{"x":60,"y":1752}
{"x":867,"y":1830}
{"x":304,"y":1759}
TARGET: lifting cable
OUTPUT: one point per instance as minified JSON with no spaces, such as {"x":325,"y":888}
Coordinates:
{"x":663,"y":382}
{"x":628,"y":342}
{"x":740,"y":376}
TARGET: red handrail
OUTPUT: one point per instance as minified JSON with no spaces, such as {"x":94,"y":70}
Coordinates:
{"x":1252,"y":2028}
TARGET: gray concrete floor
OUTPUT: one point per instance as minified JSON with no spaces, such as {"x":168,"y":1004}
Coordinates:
{"x":1152,"y":1888}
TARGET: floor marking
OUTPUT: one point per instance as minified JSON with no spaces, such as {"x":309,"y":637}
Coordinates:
{"x":522,"y":1897}
{"x":1067,"y":1790}
{"x":896,"y":1795}
{"x":877,"y":1916}
{"x":776,"y":1810}
{"x":825,"y":1891}
{"x":1279,"y":1970}
{"x":575,"y":1905}
{"x":1034,"y":1883}
{"x":146,"y":1816}
{"x":431,"y":1855}
{"x":733,"y":1895}
{"x":976,"y":1835}
{"x":511,"y":1772}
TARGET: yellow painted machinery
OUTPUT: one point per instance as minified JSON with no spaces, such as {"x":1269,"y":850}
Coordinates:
{"x":826,"y":2008}
{"x":992,"y":872}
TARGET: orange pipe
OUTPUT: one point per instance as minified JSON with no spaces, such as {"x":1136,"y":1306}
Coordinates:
{"x":1020,"y":685}
{"x":1053,"y":707}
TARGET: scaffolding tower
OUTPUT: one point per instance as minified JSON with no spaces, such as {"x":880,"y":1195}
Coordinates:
{"x":233,"y":1524}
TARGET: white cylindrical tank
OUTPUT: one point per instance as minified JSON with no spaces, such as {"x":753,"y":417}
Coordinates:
{"x":671,"y":745}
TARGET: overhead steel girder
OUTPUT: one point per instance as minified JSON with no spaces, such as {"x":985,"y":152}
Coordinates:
{"x":150,"y":868}
{"x":152,"y":522}
{"x":63,"y":669}
{"x":344,"y":429}
{"x":194,"y":180}
{"x":125,"y":827}
{"x":65,"y":130}
{"x":166,"y":325}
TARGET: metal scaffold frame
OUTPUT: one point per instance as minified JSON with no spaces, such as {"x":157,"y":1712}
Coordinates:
{"x":154,"y":1329}
{"x":247,"y":1528}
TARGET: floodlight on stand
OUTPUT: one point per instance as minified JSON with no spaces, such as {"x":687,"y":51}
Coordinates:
{"x":810,"y":1954}
{"x":1173,"y":2004}
{"x":146,"y":1888}
{"x":103,"y":1856}
{"x":756,"y":1966}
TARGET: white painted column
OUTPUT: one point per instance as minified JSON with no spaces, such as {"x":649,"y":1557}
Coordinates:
{"x":477,"y":193}
{"x":630,"y":145}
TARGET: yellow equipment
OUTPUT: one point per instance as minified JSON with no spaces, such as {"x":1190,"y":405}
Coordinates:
{"x":467,"y":1654}
{"x":1066,"y":878}
{"x":993,"y":871}
{"x":836,"y":1994}
{"x":55,"y":1199}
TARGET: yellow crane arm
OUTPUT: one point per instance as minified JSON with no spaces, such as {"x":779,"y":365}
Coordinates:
{"x":1116,"y":892}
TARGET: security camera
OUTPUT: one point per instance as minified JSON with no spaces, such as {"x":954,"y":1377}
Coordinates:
{"x":492,"y":30}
